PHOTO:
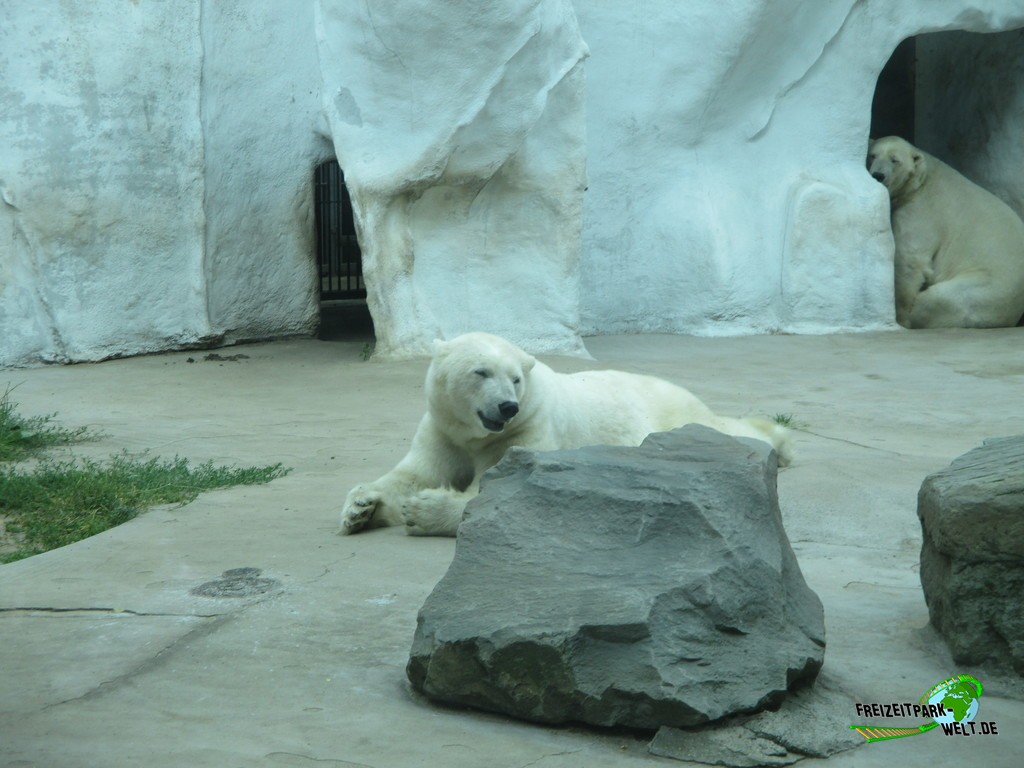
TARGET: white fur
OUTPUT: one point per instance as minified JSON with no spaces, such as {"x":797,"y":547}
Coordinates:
{"x":959,"y":248}
{"x":469,"y":377}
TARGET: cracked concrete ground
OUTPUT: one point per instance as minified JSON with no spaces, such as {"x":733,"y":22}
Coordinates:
{"x":108,"y":658}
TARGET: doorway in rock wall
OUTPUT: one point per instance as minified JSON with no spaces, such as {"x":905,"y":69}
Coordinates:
{"x":960,"y":97}
{"x":893,"y":105}
{"x":343,"y":311}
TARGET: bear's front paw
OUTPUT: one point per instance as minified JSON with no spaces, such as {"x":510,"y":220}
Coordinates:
{"x":358,"y":510}
{"x":432,"y":513}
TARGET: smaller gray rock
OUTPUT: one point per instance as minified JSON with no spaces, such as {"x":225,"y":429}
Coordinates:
{"x":732,"y":746}
{"x":972,"y":556}
{"x":812,"y":722}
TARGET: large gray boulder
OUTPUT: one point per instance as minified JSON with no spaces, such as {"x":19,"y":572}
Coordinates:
{"x":972,"y":558}
{"x":617,"y":586}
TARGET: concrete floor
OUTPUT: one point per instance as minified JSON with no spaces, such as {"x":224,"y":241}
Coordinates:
{"x":106,"y":659}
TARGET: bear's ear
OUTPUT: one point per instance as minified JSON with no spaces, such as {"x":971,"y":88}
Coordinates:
{"x":918,"y":158}
{"x":528,"y":362}
{"x":439,"y":346}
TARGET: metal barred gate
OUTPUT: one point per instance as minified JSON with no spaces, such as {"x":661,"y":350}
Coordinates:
{"x":337,"y":247}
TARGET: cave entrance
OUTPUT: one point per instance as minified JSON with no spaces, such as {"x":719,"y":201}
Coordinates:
{"x":960,"y":97}
{"x":343,"y":311}
{"x":892,"y":108}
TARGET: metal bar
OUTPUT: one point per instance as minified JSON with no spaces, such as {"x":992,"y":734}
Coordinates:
{"x":338,"y":251}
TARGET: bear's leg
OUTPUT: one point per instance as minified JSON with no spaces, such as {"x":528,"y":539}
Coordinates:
{"x":432,"y":463}
{"x":435,"y":511}
{"x":964,"y":301}
{"x":913,"y":270}
{"x":368,"y":506}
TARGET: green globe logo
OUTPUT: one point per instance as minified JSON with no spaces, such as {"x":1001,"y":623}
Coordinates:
{"x":957,"y":695}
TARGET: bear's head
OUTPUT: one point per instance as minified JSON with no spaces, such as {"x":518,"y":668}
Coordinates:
{"x":476,"y":384}
{"x":898,"y":164}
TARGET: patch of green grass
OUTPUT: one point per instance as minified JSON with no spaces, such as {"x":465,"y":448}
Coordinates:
{"x":63,"y":501}
{"x":22,"y":436}
{"x":788,"y":420}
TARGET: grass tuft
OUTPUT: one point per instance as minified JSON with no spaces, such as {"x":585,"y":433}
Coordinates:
{"x":788,"y":420}
{"x":22,"y":436}
{"x":60,"y":501}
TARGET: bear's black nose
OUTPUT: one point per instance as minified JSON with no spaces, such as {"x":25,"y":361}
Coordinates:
{"x":879,"y":177}
{"x":508,"y":409}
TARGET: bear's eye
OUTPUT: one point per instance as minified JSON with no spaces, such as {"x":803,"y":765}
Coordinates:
{"x":895,"y":161}
{"x":482,"y":372}
{"x":515,"y":380}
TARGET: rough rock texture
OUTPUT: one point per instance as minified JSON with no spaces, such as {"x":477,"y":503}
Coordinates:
{"x":156,"y":175}
{"x":972,"y":558}
{"x":702,"y":171}
{"x":961,"y":76}
{"x":101,"y":176}
{"x":725,"y":153}
{"x":461,"y":133}
{"x":263,"y":135}
{"x":811,"y":722}
{"x":638,"y":587}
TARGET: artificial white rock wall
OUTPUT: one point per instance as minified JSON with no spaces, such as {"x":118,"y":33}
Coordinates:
{"x":101,"y":180}
{"x":156,"y":167}
{"x":263,"y":133}
{"x":156,"y":164}
{"x":459,"y":127}
{"x":726,"y":146}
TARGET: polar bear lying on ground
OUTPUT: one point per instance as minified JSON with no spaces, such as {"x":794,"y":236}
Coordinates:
{"x":959,"y":249}
{"x":485,"y":394}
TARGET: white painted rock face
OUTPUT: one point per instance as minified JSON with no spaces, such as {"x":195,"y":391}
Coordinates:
{"x":155,"y":176}
{"x":702,"y":171}
{"x":101,"y":181}
{"x":726,"y":147}
{"x":462,"y":140}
